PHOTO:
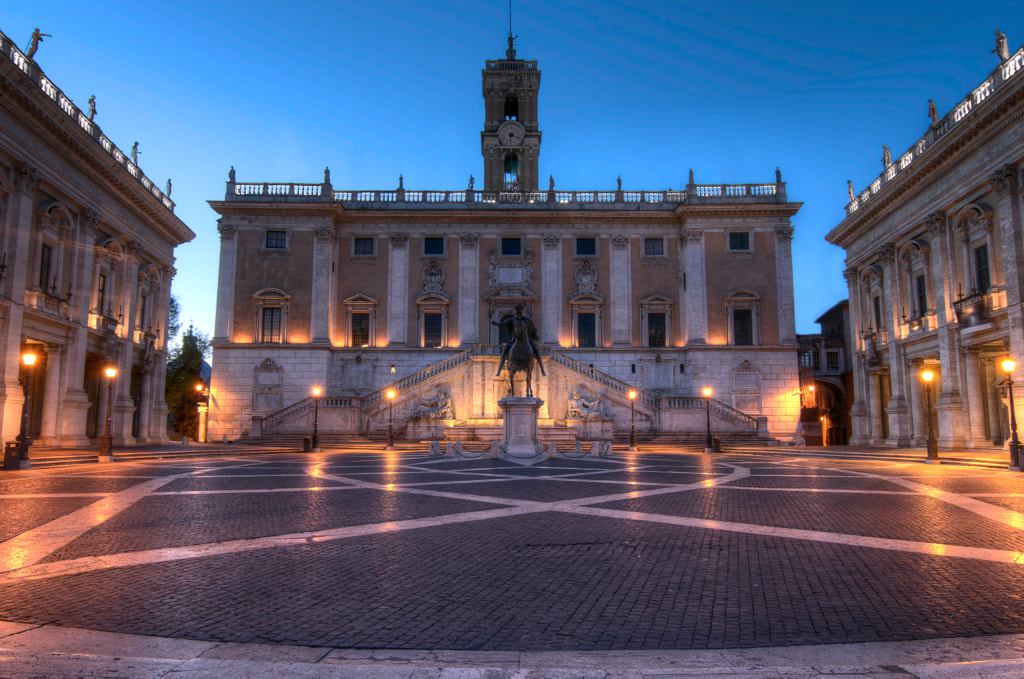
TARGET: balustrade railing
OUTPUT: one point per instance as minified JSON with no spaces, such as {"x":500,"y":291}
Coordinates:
{"x":425,"y":374}
{"x":607,"y":380}
{"x":998,"y":78}
{"x":717,"y":407}
{"x":46,"y":86}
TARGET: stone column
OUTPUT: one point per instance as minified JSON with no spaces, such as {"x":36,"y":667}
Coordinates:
{"x":696,"y":287}
{"x":18,"y":215}
{"x":975,"y":406}
{"x":859,"y":429}
{"x":896,"y":409}
{"x":320,"y":301}
{"x":398,"y":290}
{"x":621,"y":289}
{"x":1005,"y":182}
{"x":916,"y":393}
{"x":145,"y":405}
{"x":75,"y":405}
{"x":995,"y":412}
{"x":551,"y":282}
{"x":223,"y":325}
{"x":469,"y":289}
{"x":51,"y":394}
{"x":948,"y":401}
{"x":784,"y":284}
{"x":875,"y":408}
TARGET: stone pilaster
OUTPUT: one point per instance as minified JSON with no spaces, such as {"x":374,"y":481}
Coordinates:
{"x":398,"y":290}
{"x":223,"y":326}
{"x":321,"y":316}
{"x":995,"y":408}
{"x":51,"y":394}
{"x":916,"y":395}
{"x":784,"y":284}
{"x":696,"y":287}
{"x":896,"y":408}
{"x":975,"y":406}
{"x":145,"y":405}
{"x":875,"y":408}
{"x":1011,"y":231}
{"x":859,"y":430}
{"x":551,"y":282}
{"x":469,"y":289}
{"x":621,"y":290}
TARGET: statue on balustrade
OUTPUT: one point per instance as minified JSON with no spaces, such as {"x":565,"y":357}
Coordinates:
{"x":135,"y":153}
{"x":582,"y":409}
{"x":471,"y":180}
{"x":886,"y":157}
{"x":437,"y":408}
{"x":849,"y":189}
{"x":327,"y":175}
{"x":168,"y":191}
{"x":37,"y":37}
{"x":92,"y":107}
{"x":231,"y":174}
{"x":551,"y":182}
{"x":1002,"y":50}
{"x":933,"y":113}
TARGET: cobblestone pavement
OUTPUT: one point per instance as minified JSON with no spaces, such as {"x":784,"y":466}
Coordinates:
{"x":638,"y":552}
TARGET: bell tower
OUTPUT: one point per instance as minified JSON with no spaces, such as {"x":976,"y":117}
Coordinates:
{"x":510,"y":140}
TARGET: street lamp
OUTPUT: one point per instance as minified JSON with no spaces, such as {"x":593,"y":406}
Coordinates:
{"x":316,"y":415}
{"x":632,"y":417}
{"x":391,"y":401}
{"x":203,"y":407}
{"x":106,"y":441}
{"x":708,"y":448}
{"x":930,"y":443}
{"x":1008,"y":366}
{"x":23,"y":439}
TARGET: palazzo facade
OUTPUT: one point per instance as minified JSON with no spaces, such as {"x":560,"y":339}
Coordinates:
{"x":86,"y":271}
{"x":935,"y":256}
{"x":359,"y":290}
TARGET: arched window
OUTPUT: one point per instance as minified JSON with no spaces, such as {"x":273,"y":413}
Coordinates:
{"x":511,"y":108}
{"x":511,"y":172}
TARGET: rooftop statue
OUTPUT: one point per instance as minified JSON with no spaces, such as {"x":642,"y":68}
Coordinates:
{"x":619,"y":185}
{"x":135,"y":153}
{"x":933,"y":113}
{"x":849,"y":189}
{"x":92,"y":107}
{"x":691,"y":175}
{"x":778,"y":176}
{"x":168,"y":191}
{"x":1002,"y":50}
{"x":471,"y":180}
{"x":327,"y":175}
{"x":551,"y":182}
{"x":37,"y":37}
{"x":886,"y":156}
{"x":231,"y":174}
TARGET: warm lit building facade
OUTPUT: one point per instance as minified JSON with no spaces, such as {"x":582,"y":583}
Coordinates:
{"x":85,"y":283}
{"x":935,"y":256}
{"x":666,"y":291}
{"x":826,"y":378}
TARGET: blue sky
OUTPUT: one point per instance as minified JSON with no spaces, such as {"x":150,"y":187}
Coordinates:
{"x":642,"y":90}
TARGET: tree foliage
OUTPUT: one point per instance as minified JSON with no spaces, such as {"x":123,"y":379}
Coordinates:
{"x":184,"y":366}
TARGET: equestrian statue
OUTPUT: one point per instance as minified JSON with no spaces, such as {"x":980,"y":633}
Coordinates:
{"x":520,"y":351}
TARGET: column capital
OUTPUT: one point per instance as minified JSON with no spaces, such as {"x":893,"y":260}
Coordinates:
{"x":468,"y":240}
{"x":784,"y":233}
{"x":936,"y":223}
{"x":227,"y":231}
{"x":886,"y":254}
{"x":1004,"y":180}
{"x":88,"y":220}
{"x":850,"y":275}
{"x":692,"y":235}
{"x":26,"y":178}
{"x":324,"y":234}
{"x":399,"y":240}
{"x":55,"y":349}
{"x":551,"y":241}
{"x":620,"y":242}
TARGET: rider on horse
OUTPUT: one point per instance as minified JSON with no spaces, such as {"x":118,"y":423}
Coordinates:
{"x":510,"y":322}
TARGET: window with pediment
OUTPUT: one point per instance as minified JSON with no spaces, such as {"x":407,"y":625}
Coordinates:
{"x":656,"y":321}
{"x":743,"y":317}
{"x":360,"y":321}
{"x":271,"y":322}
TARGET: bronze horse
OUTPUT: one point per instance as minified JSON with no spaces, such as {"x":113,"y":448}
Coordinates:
{"x":520,"y":357}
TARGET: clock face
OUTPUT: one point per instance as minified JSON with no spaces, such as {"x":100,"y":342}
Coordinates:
{"x":511,"y":133}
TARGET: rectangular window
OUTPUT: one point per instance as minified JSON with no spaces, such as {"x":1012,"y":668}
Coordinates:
{"x":809,"y":359}
{"x":739,"y":241}
{"x":586,"y":328}
{"x":656,"y":330}
{"x":101,"y":294}
{"x":981,"y":269}
{"x":511,"y":247}
{"x":270,"y":330}
{"x":362,"y":247}
{"x":877,"y":304}
{"x":433,"y":245}
{"x":586,"y":247}
{"x":922,"y":295}
{"x":832,"y":361}
{"x":277,"y":240}
{"x":431,"y":330}
{"x":654,"y":247}
{"x":743,"y":327}
{"x":360,"y":330}
{"x":45,"y":255}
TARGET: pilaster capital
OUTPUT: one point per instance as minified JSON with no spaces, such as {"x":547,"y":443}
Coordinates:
{"x":169,"y":273}
{"x":227,"y":231}
{"x":850,"y":275}
{"x":620,"y":242}
{"x":886,"y":254}
{"x":133,"y":252}
{"x":399,"y":240}
{"x":468,"y":240}
{"x":26,"y":178}
{"x":551,"y":241}
{"x":1004,"y":180}
{"x":88,"y":220}
{"x":324,"y":234}
{"x":691,"y":235}
{"x":784,"y":233}
{"x":936,"y":223}
{"x":54,"y":349}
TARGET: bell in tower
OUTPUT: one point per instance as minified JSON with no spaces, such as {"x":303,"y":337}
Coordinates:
{"x":510,"y":140}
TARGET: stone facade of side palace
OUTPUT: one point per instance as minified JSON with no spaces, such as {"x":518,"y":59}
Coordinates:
{"x":355,"y":291}
{"x":935,"y":255}
{"x":87,"y":257}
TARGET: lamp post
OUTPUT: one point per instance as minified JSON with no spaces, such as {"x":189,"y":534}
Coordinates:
{"x":708,"y":447}
{"x":632,"y":418}
{"x":391,"y":401}
{"x":1008,"y":366}
{"x":931,"y":445}
{"x":204,"y":409}
{"x":107,"y":441}
{"x":23,"y":439}
{"x":316,"y":416}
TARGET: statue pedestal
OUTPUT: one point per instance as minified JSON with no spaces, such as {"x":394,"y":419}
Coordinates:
{"x":519,"y":438}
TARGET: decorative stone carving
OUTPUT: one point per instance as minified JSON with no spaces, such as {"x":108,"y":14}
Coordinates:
{"x":26,"y":179}
{"x":433,"y":277}
{"x":580,"y":408}
{"x":1004,"y":181}
{"x":620,"y":242}
{"x":399,"y":240}
{"x":850,"y":274}
{"x":468,"y":240}
{"x":227,"y":231}
{"x":551,"y":241}
{"x":784,"y":233}
{"x":324,"y":234}
{"x":437,"y":408}
{"x":586,"y":277}
{"x":510,"y":276}
{"x":693,"y":235}
{"x":936,"y":223}
{"x":169,"y":273}
{"x":134,"y":251}
{"x":886,"y":254}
